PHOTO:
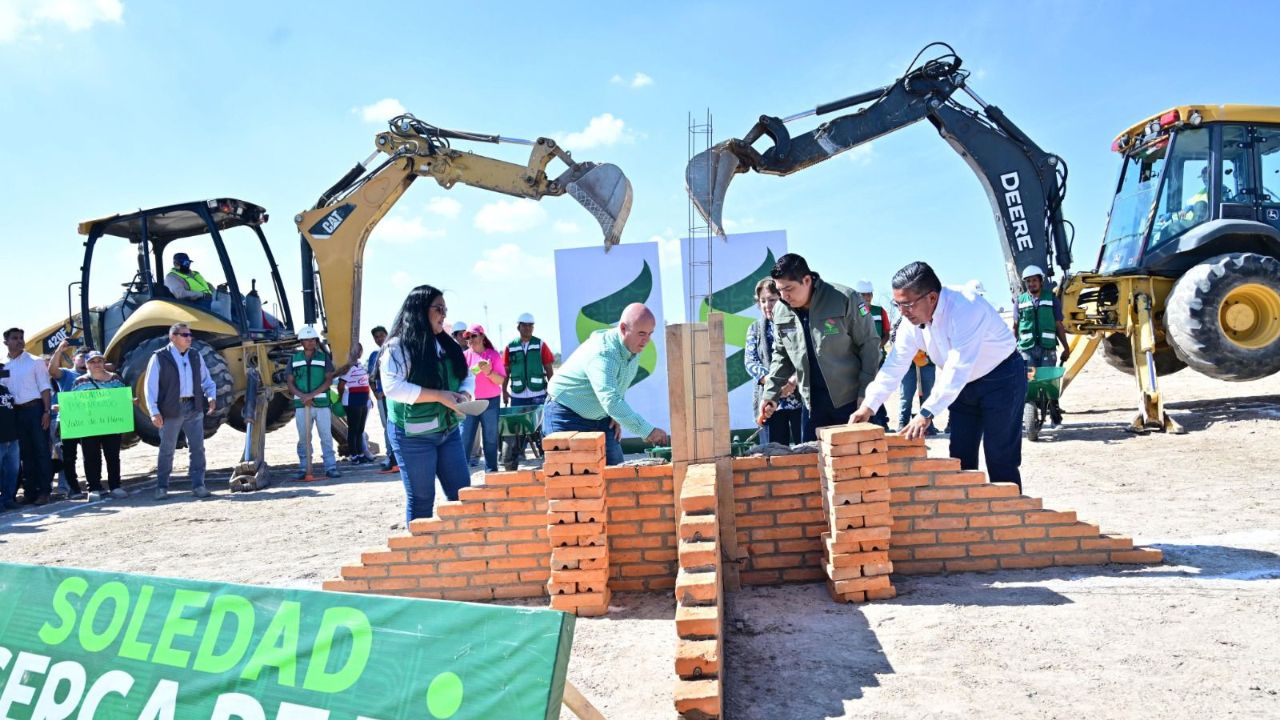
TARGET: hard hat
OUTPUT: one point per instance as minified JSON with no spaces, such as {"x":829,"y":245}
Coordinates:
{"x":180,"y":259}
{"x":458,"y":327}
{"x":1032,"y":270}
{"x":863,"y":286}
{"x":525,"y":318}
{"x":308,"y":333}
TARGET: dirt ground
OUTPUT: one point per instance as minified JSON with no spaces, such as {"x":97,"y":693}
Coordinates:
{"x":1196,"y":637}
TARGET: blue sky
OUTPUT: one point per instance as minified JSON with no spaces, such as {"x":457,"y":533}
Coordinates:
{"x":111,"y":105}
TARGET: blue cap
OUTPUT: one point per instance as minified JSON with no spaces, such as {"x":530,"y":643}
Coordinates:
{"x":181,"y":259}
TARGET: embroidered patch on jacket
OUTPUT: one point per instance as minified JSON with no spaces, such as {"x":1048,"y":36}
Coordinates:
{"x":829,"y":327}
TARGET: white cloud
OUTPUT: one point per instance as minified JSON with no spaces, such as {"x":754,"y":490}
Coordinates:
{"x":381,"y":111}
{"x":399,"y":230}
{"x":18,"y":16}
{"x":509,"y":216}
{"x":601,"y":130}
{"x":861,"y":154}
{"x":637,"y":81}
{"x":444,"y":207}
{"x":509,"y":261}
{"x":400,"y":280}
{"x":566,"y":227}
{"x":668,"y":249}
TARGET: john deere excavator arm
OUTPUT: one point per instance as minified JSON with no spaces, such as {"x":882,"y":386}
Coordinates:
{"x":1025,"y":184}
{"x":334,"y":233}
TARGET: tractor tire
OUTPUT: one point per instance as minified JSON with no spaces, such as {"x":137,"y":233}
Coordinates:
{"x":279,"y":413}
{"x":1223,"y":317}
{"x":134,"y":372}
{"x":1115,"y":350}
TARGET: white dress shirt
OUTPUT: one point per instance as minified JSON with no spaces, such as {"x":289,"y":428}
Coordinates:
{"x":966,"y":340}
{"x":395,"y":376}
{"x":28,"y":377}
{"x":185,"y":390}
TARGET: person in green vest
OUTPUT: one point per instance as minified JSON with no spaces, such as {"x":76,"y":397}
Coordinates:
{"x":424,"y":378}
{"x":528,"y":361}
{"x":187,"y":284}
{"x":312,"y":372}
{"x":881,"y":319}
{"x":1038,"y":327}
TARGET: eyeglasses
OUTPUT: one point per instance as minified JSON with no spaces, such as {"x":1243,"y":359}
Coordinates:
{"x":908,"y":305}
{"x":96,"y":360}
{"x":183,"y":334}
{"x":440,"y":309}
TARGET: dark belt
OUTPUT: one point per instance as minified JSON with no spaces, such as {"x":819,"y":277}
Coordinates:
{"x":32,"y":403}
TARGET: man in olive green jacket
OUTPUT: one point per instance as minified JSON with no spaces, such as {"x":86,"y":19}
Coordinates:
{"x":827,"y":338}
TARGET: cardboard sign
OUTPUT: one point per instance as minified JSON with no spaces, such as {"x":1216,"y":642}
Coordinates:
{"x":85,"y":644}
{"x":85,"y":413}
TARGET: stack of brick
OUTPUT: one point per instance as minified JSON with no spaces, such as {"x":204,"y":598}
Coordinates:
{"x":573,"y":471}
{"x":855,"y":500}
{"x":490,"y":544}
{"x":699,"y":600}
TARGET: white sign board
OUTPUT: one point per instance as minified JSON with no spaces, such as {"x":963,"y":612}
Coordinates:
{"x":592,"y":289}
{"x":738,"y":262}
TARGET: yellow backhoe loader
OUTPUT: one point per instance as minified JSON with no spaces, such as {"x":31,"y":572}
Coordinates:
{"x":246,"y":342}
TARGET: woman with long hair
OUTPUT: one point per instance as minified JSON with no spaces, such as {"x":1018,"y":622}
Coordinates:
{"x":486,"y":364}
{"x":424,"y":377}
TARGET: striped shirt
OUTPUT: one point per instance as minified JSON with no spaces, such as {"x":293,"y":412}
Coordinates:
{"x":594,"y":380}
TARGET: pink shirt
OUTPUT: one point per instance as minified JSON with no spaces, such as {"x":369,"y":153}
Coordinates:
{"x":486,"y":388}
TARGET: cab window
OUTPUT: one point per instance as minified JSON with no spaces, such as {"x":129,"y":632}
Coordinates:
{"x":1184,"y":196}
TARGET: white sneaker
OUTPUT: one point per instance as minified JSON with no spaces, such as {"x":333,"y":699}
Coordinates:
{"x":95,"y":496}
{"x":120,"y":493}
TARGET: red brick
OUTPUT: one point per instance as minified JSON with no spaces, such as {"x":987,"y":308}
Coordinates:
{"x":1050,"y":546}
{"x":962,"y":478}
{"x":345,"y":585}
{"x":482,"y":493}
{"x":938,"y":552}
{"x":775,"y":504}
{"x":429,"y":554}
{"x":1081,"y":558}
{"x":994,"y":520}
{"x":470,"y":536}
{"x":442,"y":581}
{"x":994,"y":490}
{"x":933,"y":465}
{"x":636,"y":542}
{"x":1006,"y":548}
{"x":483,"y":551}
{"x":740,"y":464}
{"x":1078,"y":530}
{"x":940,"y":523}
{"x":698,"y":698}
{"x":1016,"y":505}
{"x":1138,"y":556}
{"x":972,"y":565}
{"x":1051,"y":518}
{"x":356,"y":572}
{"x":1022,"y":562}
{"x":522,"y":534}
{"x":699,"y":588}
{"x":802,"y":517}
{"x":530,"y":548}
{"x":908,"y":481}
{"x":657,"y":498}
{"x":1018,"y":533}
{"x":384,"y":557}
{"x":693,"y":622}
{"x":917,"y":567}
{"x":915,"y":538}
{"x":393,"y":583}
{"x":915,"y":510}
{"x":966,"y":507}
{"x":777,"y":533}
{"x":963,"y":536}
{"x":1106,"y":542}
{"x":760,"y":577}
{"x":512,"y":592}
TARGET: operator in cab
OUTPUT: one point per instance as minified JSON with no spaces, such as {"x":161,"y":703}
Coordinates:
{"x":982,"y":378}
{"x":187,"y":284}
{"x":1038,"y":325}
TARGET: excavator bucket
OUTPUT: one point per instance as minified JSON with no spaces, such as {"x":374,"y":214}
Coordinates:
{"x":707,"y":177}
{"x":606,"y":193}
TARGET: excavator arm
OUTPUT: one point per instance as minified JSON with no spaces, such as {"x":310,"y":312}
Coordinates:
{"x":1024,"y":183}
{"x":335,"y":231}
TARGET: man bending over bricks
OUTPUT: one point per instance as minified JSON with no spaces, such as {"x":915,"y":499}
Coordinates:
{"x":588,"y":393}
{"x":981,"y":377}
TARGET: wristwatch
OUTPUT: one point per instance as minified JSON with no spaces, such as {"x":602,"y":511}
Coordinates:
{"x":926,"y":415}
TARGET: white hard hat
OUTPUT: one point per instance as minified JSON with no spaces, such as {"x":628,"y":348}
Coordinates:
{"x":1032,"y":270}
{"x":308,"y":333}
{"x":459,"y":327}
{"x":863,"y":286}
{"x":977,"y":287}
{"x":525,"y":318}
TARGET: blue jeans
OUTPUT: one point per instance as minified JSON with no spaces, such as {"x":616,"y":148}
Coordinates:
{"x":526,"y":402}
{"x":558,"y":418}
{"x":488,"y":422}
{"x":10,"y":454}
{"x":423,"y":458}
{"x":190,"y":423}
{"x":988,"y":410}
{"x":386,"y":432}
{"x":909,"y":387}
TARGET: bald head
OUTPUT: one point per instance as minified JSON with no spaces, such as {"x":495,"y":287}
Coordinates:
{"x":637,"y":325}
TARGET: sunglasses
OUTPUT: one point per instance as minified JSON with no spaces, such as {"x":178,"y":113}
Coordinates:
{"x":183,"y":334}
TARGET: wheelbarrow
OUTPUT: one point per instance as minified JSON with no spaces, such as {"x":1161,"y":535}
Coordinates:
{"x":519,"y":427}
{"x":1044,"y":385}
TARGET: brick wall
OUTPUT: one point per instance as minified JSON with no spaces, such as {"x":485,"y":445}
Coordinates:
{"x":642,"y":528}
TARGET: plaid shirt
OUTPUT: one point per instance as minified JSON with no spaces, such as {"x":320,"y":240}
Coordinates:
{"x":594,"y":380}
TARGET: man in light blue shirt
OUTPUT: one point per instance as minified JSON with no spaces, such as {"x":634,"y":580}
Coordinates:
{"x":588,"y":392}
{"x":178,"y":406}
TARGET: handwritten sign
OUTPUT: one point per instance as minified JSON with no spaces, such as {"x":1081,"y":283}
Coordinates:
{"x":85,"y":413}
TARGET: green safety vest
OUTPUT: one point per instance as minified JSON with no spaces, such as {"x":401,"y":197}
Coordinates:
{"x":1036,"y":325}
{"x":426,"y":418}
{"x":877,"y":314}
{"x":526,"y":370}
{"x":195,"y":281}
{"x":308,"y":375}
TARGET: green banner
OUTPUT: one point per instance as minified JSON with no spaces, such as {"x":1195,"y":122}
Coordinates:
{"x":85,"y":413}
{"x":84,"y":644}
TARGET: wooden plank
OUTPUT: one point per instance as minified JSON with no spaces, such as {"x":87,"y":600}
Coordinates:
{"x":719,"y":388}
{"x":578,"y":703}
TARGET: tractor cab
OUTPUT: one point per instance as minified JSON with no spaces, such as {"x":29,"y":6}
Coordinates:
{"x":1196,"y":181}
{"x":211,"y":233}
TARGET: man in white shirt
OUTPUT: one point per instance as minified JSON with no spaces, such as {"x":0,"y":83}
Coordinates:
{"x":28,"y":381}
{"x":981,"y":378}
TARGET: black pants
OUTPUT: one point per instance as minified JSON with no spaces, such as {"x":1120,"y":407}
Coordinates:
{"x":95,"y":449}
{"x":33,"y":440}
{"x":988,"y":411}
{"x":357,"y":415}
{"x":783,"y":427}
{"x":70,"y":449}
{"x":823,"y":413}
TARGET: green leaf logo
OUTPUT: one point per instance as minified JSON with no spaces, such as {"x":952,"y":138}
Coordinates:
{"x":732,"y":299}
{"x":604,"y":313}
